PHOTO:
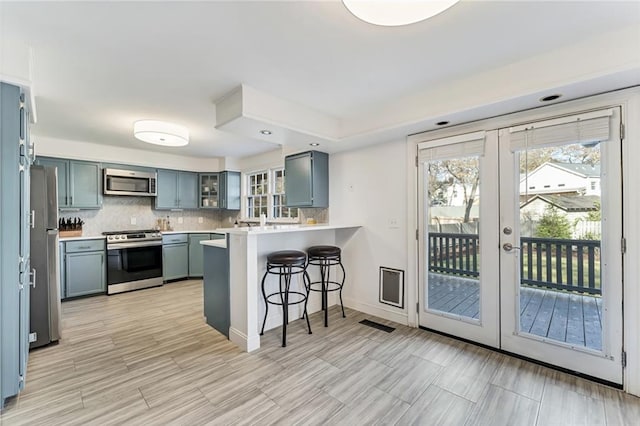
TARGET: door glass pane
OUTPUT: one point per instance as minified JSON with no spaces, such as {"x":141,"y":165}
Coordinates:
{"x":453,"y":249}
{"x":560,"y":290}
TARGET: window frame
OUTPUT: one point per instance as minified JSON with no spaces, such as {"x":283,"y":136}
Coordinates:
{"x":246,"y":182}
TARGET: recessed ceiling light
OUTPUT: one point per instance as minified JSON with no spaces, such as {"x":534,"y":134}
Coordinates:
{"x":550,"y":98}
{"x":314,"y":144}
{"x":265,"y":132}
{"x":392,"y":13}
{"x":161,"y":133}
{"x":442,"y":123}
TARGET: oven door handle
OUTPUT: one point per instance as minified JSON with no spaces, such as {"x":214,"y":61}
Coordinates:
{"x":133,"y":245}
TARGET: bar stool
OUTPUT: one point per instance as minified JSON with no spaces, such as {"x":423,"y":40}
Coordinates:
{"x":286,"y":264}
{"x":325,"y":257}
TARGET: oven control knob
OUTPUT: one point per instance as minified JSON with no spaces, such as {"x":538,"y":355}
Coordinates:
{"x":117,"y":237}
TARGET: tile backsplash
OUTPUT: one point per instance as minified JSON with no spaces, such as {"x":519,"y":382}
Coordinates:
{"x":117,"y":212}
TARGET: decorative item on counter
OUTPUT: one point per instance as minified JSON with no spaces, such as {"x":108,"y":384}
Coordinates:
{"x":70,"y":227}
{"x":263,"y":219}
{"x":235,"y":224}
{"x":311,"y":221}
{"x":163,"y":224}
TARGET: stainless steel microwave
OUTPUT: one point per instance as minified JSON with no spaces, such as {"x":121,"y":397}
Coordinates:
{"x":129,"y":182}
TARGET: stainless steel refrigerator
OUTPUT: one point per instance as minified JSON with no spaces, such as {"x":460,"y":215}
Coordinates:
{"x":45,"y":295}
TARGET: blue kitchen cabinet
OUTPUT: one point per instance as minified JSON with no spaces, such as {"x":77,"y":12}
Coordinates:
{"x":15,"y":271}
{"x":175,"y":256}
{"x":167,"y":188}
{"x":209,"y":191}
{"x":230,"y":190}
{"x":220,"y":190}
{"x":195,"y":252}
{"x":177,"y":190}
{"x":78,"y":183}
{"x":187,"y":190}
{"x":216,"y":290}
{"x":307,"y":179}
{"x":84,"y":268}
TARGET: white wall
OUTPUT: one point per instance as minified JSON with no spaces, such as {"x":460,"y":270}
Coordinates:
{"x":368,"y":187}
{"x":77,"y":150}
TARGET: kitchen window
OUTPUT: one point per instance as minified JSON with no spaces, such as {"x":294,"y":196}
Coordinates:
{"x":279,"y":201}
{"x":265,"y":195}
{"x":257,"y":194}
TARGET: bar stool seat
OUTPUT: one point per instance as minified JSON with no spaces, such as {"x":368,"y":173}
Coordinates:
{"x":285,"y":264}
{"x":325,"y":257}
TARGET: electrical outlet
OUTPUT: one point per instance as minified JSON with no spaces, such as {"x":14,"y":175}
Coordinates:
{"x":393,"y":223}
{"x":133,"y":220}
{"x":201,"y":220}
{"x":180,"y":220}
{"x":230,"y":219}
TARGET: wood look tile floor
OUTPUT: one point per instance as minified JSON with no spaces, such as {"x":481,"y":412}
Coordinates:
{"x":147,"y":358}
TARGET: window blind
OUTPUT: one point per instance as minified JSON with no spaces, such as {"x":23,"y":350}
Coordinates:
{"x":584,"y":128}
{"x":467,"y":145}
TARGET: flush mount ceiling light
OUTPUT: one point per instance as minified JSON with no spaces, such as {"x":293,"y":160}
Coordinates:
{"x":393,"y":13}
{"x":314,"y":144}
{"x":266,"y":132}
{"x":161,"y":133}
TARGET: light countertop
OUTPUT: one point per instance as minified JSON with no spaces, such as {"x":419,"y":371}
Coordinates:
{"x":222,"y":243}
{"x":200,"y":231}
{"x":95,"y":237}
{"x":278,"y":229}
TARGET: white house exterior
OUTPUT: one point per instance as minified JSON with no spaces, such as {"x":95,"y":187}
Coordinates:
{"x":552,"y":178}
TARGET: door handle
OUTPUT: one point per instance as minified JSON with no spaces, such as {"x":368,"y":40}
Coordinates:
{"x":509,"y":247}
{"x":32,"y":219}
{"x":33,"y":277}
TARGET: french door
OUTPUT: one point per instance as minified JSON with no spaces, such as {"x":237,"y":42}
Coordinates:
{"x":520,"y":247}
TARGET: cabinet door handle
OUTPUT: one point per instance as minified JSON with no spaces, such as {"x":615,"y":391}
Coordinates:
{"x":66,"y":199}
{"x":84,"y":247}
{"x":71,"y":200}
{"x":33,"y":277}
{"x":32,"y":219}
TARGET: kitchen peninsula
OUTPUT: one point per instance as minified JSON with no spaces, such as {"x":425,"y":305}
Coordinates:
{"x":244,"y":253}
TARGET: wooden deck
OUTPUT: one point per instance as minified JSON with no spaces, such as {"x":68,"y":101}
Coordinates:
{"x":565,"y":317}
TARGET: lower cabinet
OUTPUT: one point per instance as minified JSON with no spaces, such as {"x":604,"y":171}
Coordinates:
{"x":84,"y":271}
{"x":195,"y":254}
{"x":175,"y":256}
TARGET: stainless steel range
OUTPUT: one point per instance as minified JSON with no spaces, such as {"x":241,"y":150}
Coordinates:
{"x":134,"y":260}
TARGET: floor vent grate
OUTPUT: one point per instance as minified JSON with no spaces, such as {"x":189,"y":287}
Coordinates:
{"x":377,"y":325}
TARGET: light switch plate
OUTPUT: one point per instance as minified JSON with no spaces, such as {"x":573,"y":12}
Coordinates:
{"x":180,"y":220}
{"x":133,"y":220}
{"x":201,"y":220}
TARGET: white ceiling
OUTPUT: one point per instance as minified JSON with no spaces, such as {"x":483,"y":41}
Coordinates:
{"x":100,"y":66}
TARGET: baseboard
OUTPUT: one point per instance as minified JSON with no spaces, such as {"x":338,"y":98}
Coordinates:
{"x":378,"y":311}
{"x":243,"y":341}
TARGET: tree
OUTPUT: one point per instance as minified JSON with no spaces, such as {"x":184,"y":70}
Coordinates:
{"x":553,"y":224}
{"x":595,"y":215}
{"x":466,"y":172}
{"x":463,"y":173}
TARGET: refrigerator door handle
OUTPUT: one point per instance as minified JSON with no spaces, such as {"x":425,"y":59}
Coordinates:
{"x":32,"y":219}
{"x":33,"y":277}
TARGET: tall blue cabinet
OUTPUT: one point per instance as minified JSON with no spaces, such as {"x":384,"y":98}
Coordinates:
{"x":16,"y":156}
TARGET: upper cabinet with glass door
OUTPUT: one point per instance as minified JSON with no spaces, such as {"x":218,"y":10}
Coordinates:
{"x":209,"y":191}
